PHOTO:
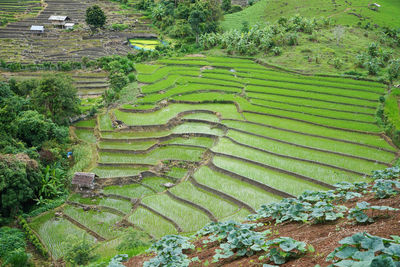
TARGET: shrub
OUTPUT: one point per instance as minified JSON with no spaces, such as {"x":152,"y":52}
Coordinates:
{"x":131,"y":77}
{"x":118,"y":80}
{"x":337,"y":63}
{"x":372,"y":66}
{"x":17,"y":258}
{"x":11,"y":239}
{"x":235,"y":8}
{"x":292,"y":39}
{"x":79,"y":251}
{"x":119,"y":27}
{"x":277,"y":51}
{"x":32,"y":237}
{"x":373,"y":49}
{"x":226,"y":5}
{"x":133,"y":239}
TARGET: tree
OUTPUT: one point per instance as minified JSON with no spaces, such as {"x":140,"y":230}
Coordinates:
{"x":56,"y":98}
{"x":19,"y":182}
{"x":95,"y":17}
{"x":226,"y":5}
{"x":79,"y":251}
{"x":34,"y":129}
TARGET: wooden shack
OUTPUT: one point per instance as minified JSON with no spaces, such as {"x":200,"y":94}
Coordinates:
{"x":59,"y":21}
{"x":83,"y":181}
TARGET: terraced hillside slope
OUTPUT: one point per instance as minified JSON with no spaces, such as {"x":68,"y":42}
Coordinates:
{"x":88,"y":83}
{"x":19,"y":45}
{"x":343,"y":12}
{"x":12,"y":10}
{"x":212,"y":139}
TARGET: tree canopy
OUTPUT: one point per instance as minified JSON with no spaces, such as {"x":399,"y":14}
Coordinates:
{"x":56,"y":98}
{"x":95,"y":17}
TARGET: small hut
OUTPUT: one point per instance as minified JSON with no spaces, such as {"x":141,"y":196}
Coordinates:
{"x":59,"y":20}
{"x":69,"y":25}
{"x":35,"y":29}
{"x":83,"y":181}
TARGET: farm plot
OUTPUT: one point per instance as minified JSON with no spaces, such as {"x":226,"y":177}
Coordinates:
{"x":102,"y":223}
{"x":214,"y":138}
{"x":12,"y":10}
{"x":53,"y":232}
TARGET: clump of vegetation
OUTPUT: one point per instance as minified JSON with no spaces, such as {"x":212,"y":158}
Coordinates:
{"x":184,"y":20}
{"x":363,"y":249}
{"x":12,"y":248}
{"x":32,"y":237}
{"x":283,"y":249}
{"x":262,"y":38}
{"x":95,"y":17}
{"x":359,"y":212}
{"x":169,"y":250}
{"x":79,"y":251}
{"x":34,"y":136}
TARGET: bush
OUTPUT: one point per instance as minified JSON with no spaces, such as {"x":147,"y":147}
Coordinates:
{"x":119,"y":27}
{"x":11,"y":239}
{"x":131,"y":77}
{"x":133,"y":239}
{"x":277,"y":51}
{"x":372,"y":67}
{"x":226,"y":5}
{"x":18,"y":258}
{"x":79,"y":252}
{"x":337,"y":63}
{"x":292,"y":39}
{"x":235,"y":8}
{"x":118,"y":80}
{"x":373,"y":49}
{"x":32,"y":237}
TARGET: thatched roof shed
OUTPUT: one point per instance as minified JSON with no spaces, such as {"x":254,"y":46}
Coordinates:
{"x":84,"y":180}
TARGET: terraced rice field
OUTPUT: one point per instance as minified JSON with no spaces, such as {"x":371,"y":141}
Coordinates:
{"x":12,"y":10}
{"x":144,"y":44}
{"x":230,"y":135}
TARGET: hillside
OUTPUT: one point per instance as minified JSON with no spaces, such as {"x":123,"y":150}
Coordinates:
{"x":341,"y":11}
{"x":321,"y":238}
{"x":161,"y":139}
{"x":232,"y":135}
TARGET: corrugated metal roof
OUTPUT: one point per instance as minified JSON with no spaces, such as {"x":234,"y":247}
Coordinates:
{"x":37,"y":28}
{"x":58,"y":18}
{"x":69,"y":24}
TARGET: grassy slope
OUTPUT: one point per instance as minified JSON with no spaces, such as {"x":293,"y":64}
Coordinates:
{"x":271,"y":10}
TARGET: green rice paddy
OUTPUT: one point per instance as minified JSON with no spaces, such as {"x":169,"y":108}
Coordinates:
{"x":226,"y":136}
